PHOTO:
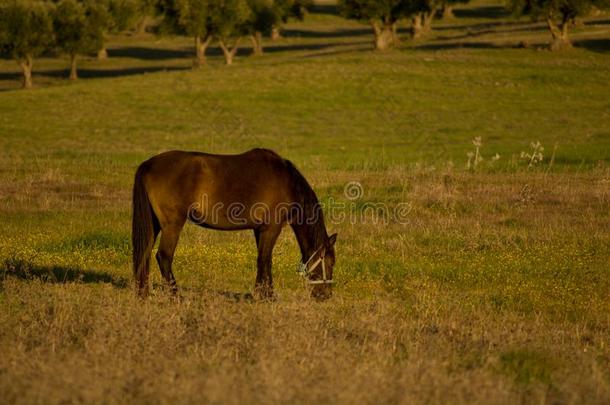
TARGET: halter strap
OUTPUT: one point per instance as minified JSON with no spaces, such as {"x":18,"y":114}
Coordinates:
{"x":304,"y":269}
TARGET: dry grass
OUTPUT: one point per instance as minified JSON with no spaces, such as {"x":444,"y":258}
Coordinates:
{"x":495,"y":291}
{"x":94,"y":345}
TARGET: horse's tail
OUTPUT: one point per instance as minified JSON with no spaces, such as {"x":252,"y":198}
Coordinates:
{"x":142,"y":233}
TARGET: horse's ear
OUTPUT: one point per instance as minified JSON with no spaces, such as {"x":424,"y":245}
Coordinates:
{"x":332,"y":239}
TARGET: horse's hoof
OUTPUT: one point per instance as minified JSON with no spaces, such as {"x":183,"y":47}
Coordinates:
{"x":266,"y":297}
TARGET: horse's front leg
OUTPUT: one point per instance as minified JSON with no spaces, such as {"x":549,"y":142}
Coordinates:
{"x":266,"y":238}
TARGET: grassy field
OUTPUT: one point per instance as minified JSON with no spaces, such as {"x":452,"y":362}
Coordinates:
{"x":493,"y":287}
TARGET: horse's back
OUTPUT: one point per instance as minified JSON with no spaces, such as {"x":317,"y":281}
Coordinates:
{"x":184,"y":164}
{"x":177,"y":181}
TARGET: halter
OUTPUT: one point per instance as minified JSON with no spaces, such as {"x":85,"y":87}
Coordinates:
{"x":304,"y":269}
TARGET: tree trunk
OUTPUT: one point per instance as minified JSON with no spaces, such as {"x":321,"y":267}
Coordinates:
{"x":447,"y":12}
{"x":257,"y":43}
{"x":142,"y":25}
{"x":559,"y":34}
{"x":229,"y":52}
{"x":384,"y":36}
{"x":577,"y":22}
{"x":395,"y":38}
{"x":73,"y":71}
{"x":427,"y":20}
{"x":26,"y":66}
{"x":276,"y":33}
{"x":416,"y":26}
{"x":200,"y":47}
{"x":102,"y":54}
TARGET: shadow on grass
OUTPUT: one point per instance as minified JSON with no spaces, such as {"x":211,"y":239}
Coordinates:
{"x":145,"y":53}
{"x":90,"y":73}
{"x":328,"y":9}
{"x":479,"y":26}
{"x":106,"y":73}
{"x":461,"y":45}
{"x":482,"y":12}
{"x":597,"y":22}
{"x":25,"y":270}
{"x":296,"y":48}
{"x":497,"y":30}
{"x":337,"y":33}
{"x":601,"y":45}
{"x":366,"y":48}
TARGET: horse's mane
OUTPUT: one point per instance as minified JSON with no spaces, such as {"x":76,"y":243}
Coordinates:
{"x":312,"y":221}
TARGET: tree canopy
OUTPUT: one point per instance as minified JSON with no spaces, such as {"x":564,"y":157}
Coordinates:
{"x":205,"y":20}
{"x":79,"y":27}
{"x":558,"y":14}
{"x":381,"y":14}
{"x":124,"y":14}
{"x":26,"y":31}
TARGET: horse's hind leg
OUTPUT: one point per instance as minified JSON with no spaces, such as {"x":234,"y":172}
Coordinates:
{"x":165,"y":254}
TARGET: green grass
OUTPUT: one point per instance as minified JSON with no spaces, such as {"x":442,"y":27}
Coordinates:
{"x":494,"y":287}
{"x":526,"y":366}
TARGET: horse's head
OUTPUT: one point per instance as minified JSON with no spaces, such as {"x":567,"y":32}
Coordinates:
{"x":321,"y":275}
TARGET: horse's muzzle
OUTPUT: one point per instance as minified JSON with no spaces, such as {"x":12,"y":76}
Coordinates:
{"x":321,"y":292}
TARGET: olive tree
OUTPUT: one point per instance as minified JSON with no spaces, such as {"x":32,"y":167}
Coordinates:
{"x":558,"y":14}
{"x":79,"y":27}
{"x":229,"y":22}
{"x":122,"y":15}
{"x":447,"y":7}
{"x":382,"y":15}
{"x":263,"y":17}
{"x":205,"y":20}
{"x":422,"y":13}
{"x":145,"y":14}
{"x":25,"y":32}
{"x":192,"y":18}
{"x":267,"y":17}
{"x":286,"y":10}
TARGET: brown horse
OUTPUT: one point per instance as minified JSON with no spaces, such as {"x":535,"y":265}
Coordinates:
{"x":256,"y":190}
